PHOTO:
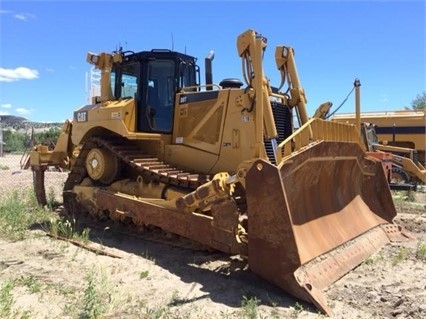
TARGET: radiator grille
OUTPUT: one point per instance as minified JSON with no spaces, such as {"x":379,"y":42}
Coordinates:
{"x":283,"y":118}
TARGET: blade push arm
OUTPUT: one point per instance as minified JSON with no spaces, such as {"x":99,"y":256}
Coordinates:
{"x":284,"y":57}
{"x":251,"y":46}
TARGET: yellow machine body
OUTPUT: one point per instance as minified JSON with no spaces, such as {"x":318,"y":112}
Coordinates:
{"x":228,"y":168}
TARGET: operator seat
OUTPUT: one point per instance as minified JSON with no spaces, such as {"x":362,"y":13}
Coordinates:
{"x":160,"y":114}
{"x":153,"y":99}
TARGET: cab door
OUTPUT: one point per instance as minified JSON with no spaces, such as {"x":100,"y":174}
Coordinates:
{"x":157,"y":97}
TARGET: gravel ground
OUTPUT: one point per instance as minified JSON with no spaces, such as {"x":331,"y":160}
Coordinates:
{"x":12,"y":177}
{"x":153,"y":280}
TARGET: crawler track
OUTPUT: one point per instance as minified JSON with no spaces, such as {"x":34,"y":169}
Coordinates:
{"x":150,"y":168}
{"x":111,"y":228}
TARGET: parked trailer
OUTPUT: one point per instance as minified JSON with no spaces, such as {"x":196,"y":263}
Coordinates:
{"x":405,"y":128}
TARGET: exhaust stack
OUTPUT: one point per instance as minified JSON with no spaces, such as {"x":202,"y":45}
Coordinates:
{"x":208,"y":65}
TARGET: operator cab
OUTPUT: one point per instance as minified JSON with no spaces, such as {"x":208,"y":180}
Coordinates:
{"x":153,"y":78}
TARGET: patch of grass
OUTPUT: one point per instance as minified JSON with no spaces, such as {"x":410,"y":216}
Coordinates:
{"x":6,"y":299}
{"x":100,"y":298}
{"x":4,"y":167}
{"x":380,"y":257}
{"x":147,"y":256}
{"x":7,"y":302}
{"x":374,"y":259}
{"x":369,"y":261}
{"x":226,"y":314}
{"x":18,"y":211}
{"x":274,"y":311}
{"x":93,"y":307}
{"x":331,"y":304}
{"x":140,"y":309}
{"x":63,"y":227}
{"x":84,"y":236}
{"x":250,"y":307}
{"x":68,"y":310}
{"x":410,"y":197}
{"x":70,"y":307}
{"x":401,"y":256}
{"x":25,"y":315}
{"x":401,"y":198}
{"x":52,"y":203}
{"x":320,"y":314}
{"x":297,"y":309}
{"x":421,"y":251}
{"x":143,"y":274}
{"x":156,"y":313}
{"x":176,"y":300}
{"x":66,"y":227}
{"x":65,"y":290}
{"x":31,"y":283}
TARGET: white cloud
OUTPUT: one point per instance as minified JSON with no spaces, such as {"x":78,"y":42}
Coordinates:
{"x":10,"y":75}
{"x":6,"y":106}
{"x":20,"y":16}
{"x":4,"y":113}
{"x":24,"y":16}
{"x":50,"y":70}
{"x":22,"y":111}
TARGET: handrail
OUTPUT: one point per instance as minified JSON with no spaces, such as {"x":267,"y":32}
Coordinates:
{"x":318,"y":130}
{"x":190,"y":89}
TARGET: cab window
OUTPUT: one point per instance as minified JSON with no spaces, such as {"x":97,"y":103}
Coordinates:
{"x":125,"y":82}
{"x":160,"y":94}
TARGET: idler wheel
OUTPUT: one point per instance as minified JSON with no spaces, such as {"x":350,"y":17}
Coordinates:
{"x":102,"y":165}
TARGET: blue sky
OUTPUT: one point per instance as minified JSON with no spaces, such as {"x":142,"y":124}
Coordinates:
{"x":43,"y":46}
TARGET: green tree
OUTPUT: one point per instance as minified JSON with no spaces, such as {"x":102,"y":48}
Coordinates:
{"x":14,"y":141}
{"x":419,"y":103}
{"x":50,"y":135}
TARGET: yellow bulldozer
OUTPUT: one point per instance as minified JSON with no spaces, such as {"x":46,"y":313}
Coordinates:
{"x":226,"y":166}
{"x":406,"y":167}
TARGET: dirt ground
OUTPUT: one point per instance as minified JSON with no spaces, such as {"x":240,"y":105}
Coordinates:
{"x":146,"y":279}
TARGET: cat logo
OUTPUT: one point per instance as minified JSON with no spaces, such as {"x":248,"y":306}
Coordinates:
{"x":183,"y":99}
{"x":81,"y":116}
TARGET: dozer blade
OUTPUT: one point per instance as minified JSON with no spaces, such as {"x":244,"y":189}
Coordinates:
{"x":316,"y":216}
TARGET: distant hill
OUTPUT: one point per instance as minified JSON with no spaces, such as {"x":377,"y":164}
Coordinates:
{"x":11,"y":119}
{"x":17,"y":123}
